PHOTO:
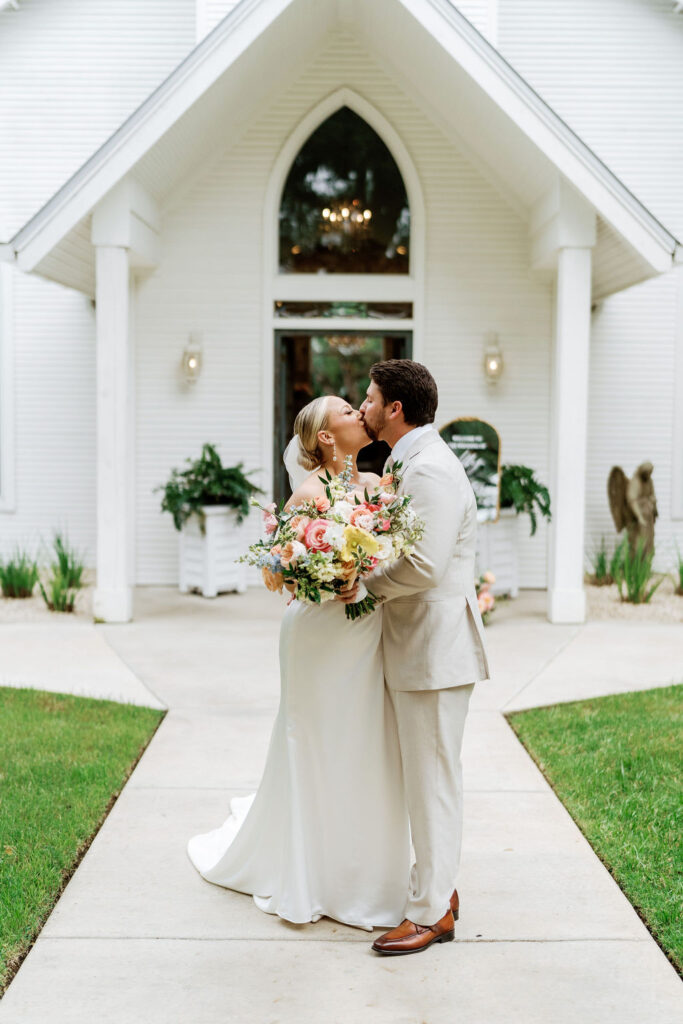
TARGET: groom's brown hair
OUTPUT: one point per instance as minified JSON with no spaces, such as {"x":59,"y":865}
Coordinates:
{"x":411,"y":384}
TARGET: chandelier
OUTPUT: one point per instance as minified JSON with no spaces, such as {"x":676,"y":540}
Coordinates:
{"x":350,"y":217}
{"x":347,"y":344}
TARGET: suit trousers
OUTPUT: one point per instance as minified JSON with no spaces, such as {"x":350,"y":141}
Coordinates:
{"x":430,"y":730}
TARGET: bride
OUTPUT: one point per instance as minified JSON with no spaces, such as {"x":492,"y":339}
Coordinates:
{"x":326,"y":833}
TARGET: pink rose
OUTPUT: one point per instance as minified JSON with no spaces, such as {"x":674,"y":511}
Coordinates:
{"x":384,"y":524}
{"x":387,"y":499}
{"x":314,"y":537}
{"x":322,"y":504}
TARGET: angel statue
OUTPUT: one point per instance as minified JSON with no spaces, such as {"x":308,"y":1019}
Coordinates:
{"x":633,"y":504}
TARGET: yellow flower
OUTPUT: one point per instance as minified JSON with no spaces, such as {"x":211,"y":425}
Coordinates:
{"x":355,"y":537}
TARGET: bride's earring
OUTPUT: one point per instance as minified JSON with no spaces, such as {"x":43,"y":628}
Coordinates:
{"x":334,"y":453}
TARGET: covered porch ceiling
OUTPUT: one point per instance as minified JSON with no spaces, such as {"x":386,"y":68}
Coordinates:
{"x":462,"y":82}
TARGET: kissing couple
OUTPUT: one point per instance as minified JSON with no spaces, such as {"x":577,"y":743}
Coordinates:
{"x":358,"y":815}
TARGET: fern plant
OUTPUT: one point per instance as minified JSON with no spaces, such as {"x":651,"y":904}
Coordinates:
{"x":520,"y":488}
{"x":206,"y":482}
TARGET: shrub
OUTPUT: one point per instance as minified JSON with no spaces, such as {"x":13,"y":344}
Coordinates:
{"x":18,"y":575}
{"x":634,"y":572}
{"x":601,"y":565}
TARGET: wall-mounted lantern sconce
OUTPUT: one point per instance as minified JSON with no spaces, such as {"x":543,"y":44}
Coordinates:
{"x":493,"y":358}
{"x":191,"y":362}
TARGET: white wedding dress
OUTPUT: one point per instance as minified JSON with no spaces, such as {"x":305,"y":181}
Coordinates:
{"x":327,"y":832}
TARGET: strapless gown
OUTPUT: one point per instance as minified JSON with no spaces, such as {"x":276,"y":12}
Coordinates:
{"x":327,"y":831}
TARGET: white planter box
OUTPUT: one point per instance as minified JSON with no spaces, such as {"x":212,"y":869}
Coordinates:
{"x":497,"y":552}
{"x":207,"y":561}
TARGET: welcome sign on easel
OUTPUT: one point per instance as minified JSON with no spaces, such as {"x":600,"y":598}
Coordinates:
{"x":477,"y":445}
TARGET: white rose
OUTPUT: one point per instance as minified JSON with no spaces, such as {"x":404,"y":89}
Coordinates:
{"x":334,"y":535}
{"x":343,"y":510}
{"x":386,"y":548}
{"x":365,"y":520}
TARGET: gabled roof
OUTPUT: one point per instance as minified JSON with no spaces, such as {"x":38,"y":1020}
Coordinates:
{"x":496,"y":106}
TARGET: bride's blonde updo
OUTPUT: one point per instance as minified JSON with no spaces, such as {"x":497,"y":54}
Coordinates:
{"x":311,"y":419}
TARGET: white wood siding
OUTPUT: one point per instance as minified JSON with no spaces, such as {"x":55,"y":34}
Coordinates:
{"x":483,"y":14}
{"x":614,"y":71}
{"x":209,"y":13}
{"x":70,"y":73}
{"x":210,"y":281}
{"x":54,"y":419}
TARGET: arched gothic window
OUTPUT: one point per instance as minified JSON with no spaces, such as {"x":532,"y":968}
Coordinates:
{"x":344,"y":206}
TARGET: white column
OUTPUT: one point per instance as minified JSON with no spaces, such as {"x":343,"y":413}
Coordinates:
{"x":566,"y":600}
{"x":113,"y":597}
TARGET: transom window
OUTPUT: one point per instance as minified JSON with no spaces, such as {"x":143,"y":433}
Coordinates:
{"x":344,"y":206}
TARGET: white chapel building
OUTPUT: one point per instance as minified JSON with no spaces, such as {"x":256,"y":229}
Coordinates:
{"x":163,"y":165}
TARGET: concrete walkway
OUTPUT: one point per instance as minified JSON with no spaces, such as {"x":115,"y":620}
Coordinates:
{"x":545,"y":934}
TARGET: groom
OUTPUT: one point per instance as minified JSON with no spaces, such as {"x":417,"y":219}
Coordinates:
{"x":433,"y":641}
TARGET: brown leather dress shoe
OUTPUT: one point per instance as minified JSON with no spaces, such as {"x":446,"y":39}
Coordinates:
{"x":455,"y":905}
{"x":413,"y":938}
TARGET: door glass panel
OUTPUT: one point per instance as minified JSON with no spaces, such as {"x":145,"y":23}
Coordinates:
{"x":336,"y":363}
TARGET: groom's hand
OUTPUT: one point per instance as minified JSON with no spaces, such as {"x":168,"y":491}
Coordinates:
{"x":348,"y":592}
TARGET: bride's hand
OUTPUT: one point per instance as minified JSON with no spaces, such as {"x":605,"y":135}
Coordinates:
{"x":348,"y":592}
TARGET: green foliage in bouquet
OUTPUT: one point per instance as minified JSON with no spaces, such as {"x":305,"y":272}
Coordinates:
{"x":207,"y":482}
{"x":18,"y":575}
{"x":520,"y":488}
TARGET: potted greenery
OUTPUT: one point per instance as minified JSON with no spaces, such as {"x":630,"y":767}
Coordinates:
{"x":520,"y":491}
{"x":209,"y":503}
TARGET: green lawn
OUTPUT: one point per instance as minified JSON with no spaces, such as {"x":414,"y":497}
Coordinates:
{"x":616,"y":764}
{"x":63,"y":762}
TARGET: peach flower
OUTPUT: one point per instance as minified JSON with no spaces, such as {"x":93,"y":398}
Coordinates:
{"x":322,"y":504}
{"x":291,"y":553}
{"x":299,"y":524}
{"x":387,"y":480}
{"x":362,"y":517}
{"x":348,"y":570}
{"x":273,"y":580}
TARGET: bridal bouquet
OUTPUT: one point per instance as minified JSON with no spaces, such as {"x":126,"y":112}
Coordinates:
{"x":317,"y":547}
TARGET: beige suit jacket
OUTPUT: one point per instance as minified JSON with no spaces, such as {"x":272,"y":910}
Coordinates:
{"x":433,"y":634}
